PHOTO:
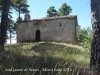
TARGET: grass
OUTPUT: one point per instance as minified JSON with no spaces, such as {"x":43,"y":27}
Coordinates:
{"x":40,"y":58}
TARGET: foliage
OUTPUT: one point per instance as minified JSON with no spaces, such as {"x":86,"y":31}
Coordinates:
{"x":65,"y":10}
{"x":10,"y":29}
{"x":16,"y":4}
{"x":10,"y":25}
{"x":20,"y":6}
{"x":84,"y":37}
{"x":52,"y":12}
{"x":21,"y":19}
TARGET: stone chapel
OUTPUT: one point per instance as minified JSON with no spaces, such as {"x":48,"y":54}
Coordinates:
{"x":57,"y":28}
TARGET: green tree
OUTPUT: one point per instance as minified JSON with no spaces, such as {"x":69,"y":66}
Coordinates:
{"x":20,"y":6}
{"x":10,"y":29}
{"x":84,"y":37}
{"x":65,"y":10}
{"x":52,"y":12}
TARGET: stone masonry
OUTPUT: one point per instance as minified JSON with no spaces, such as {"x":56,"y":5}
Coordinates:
{"x":58,"y":28}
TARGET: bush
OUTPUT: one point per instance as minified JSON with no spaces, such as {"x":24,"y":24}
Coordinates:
{"x":84,"y":37}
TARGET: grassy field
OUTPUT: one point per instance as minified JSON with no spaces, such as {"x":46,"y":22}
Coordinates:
{"x":44,"y":58}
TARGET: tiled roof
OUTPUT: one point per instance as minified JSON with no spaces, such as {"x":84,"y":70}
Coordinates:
{"x":57,"y":17}
{"x":51,"y":18}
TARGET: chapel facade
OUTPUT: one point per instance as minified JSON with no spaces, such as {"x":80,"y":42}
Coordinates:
{"x":58,"y":28}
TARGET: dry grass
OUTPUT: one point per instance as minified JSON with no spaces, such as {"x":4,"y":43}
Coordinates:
{"x":70,"y":59}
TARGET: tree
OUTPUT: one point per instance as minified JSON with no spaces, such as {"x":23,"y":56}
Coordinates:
{"x":3,"y":27}
{"x":20,"y":6}
{"x":52,"y":12}
{"x":17,"y":5}
{"x":95,"y":46}
{"x":10,"y":28}
{"x":64,"y":10}
{"x":84,"y":37}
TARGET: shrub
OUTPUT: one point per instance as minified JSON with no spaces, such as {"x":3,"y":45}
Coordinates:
{"x":84,"y":37}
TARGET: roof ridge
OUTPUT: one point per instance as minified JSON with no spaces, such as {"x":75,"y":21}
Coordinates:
{"x":57,"y":17}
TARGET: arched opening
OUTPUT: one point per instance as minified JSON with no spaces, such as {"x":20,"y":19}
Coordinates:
{"x":37,"y":35}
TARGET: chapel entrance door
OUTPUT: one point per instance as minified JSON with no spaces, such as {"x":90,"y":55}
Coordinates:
{"x":37,"y":35}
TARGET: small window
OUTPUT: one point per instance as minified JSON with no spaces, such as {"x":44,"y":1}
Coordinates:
{"x":60,"y":24}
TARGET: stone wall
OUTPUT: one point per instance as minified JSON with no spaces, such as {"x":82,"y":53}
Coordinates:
{"x":51,"y":29}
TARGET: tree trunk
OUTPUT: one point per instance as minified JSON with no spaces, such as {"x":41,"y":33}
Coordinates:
{"x":6,"y":6}
{"x":95,"y":46}
{"x":10,"y":35}
{"x":19,"y":12}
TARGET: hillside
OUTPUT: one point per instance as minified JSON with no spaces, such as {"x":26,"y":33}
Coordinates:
{"x":44,"y":58}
